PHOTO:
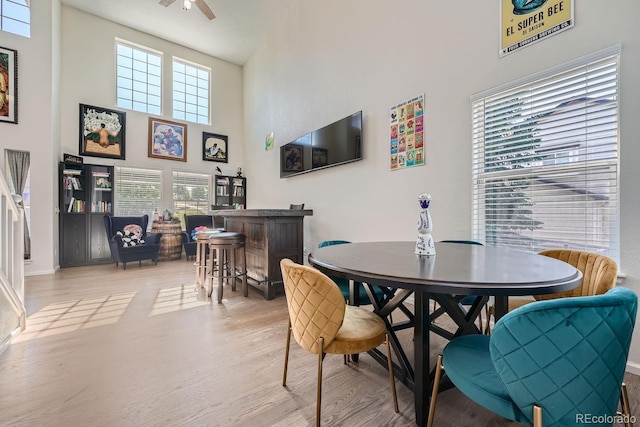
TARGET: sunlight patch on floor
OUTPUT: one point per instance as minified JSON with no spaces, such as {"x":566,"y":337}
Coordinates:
{"x":73,"y":315}
{"x":180,"y":297}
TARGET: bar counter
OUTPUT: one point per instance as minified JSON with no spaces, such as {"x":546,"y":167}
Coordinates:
{"x":271,"y":235}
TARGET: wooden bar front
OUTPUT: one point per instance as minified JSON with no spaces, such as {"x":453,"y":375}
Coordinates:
{"x":271,"y":235}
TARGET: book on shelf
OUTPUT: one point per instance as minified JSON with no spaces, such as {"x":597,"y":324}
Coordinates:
{"x":71,"y":204}
{"x":98,"y":173}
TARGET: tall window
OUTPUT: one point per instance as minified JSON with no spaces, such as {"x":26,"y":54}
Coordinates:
{"x":15,"y":17}
{"x":190,"y":194}
{"x":545,"y":160}
{"x":138,"y":78}
{"x":190,"y":91}
{"x":138,"y":191}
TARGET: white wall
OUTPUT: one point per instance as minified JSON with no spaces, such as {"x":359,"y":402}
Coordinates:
{"x":38,"y":59}
{"x":88,"y":77}
{"x":328,"y":59}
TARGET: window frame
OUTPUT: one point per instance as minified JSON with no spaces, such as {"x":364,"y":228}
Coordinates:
{"x":570,"y":153}
{"x":182,"y":96}
{"x":6,"y":14}
{"x":153,"y":204}
{"x":177,"y":210}
{"x":129,"y":101}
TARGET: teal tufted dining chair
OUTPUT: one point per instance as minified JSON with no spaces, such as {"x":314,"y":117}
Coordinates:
{"x":343,"y":284}
{"x":551,"y":363}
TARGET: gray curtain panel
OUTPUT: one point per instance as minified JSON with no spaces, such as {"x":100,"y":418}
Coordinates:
{"x":19,"y":163}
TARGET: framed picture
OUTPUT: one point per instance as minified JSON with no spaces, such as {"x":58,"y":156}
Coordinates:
{"x":319,"y":157}
{"x":102,"y":132}
{"x":167,"y":140}
{"x":292,"y":158}
{"x":215,"y":148}
{"x":8,"y":85}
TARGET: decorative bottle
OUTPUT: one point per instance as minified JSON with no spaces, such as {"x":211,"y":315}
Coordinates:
{"x":424,"y":244}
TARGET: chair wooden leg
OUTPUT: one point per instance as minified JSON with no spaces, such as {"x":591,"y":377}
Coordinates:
{"x":537,"y":416}
{"x":221,"y":260}
{"x":319,"y":391}
{"x":626,"y":408}
{"x":434,"y":392}
{"x":391,"y":376}
{"x":286,"y":354}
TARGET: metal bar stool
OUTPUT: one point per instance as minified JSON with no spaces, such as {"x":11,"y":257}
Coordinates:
{"x":224,"y":246}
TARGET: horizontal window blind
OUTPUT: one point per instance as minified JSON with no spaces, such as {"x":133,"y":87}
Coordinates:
{"x":138,"y":191}
{"x":190,"y":194}
{"x":545,"y":161}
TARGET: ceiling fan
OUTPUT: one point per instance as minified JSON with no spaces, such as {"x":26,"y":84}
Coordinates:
{"x":187,"y":5}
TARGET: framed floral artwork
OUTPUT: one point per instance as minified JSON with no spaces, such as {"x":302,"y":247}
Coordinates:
{"x":167,"y":140}
{"x":8,"y":85}
{"x":102,"y":132}
{"x":215,"y":148}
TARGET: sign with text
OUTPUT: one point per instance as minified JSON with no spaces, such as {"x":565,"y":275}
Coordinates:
{"x":529,"y":21}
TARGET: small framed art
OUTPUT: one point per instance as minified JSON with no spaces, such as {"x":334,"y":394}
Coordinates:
{"x":215,"y":148}
{"x":8,"y":85}
{"x":167,"y":140}
{"x":102,"y":132}
{"x":292,"y":158}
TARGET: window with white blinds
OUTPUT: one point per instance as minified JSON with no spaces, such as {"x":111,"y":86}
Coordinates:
{"x":190,"y":194}
{"x":138,"y":191}
{"x":138,"y":78}
{"x":190,"y":91}
{"x":545,"y":160}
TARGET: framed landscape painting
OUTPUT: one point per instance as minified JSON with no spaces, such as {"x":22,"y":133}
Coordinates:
{"x":167,"y":140}
{"x":215,"y":148}
{"x":102,"y":132}
{"x":8,"y":85}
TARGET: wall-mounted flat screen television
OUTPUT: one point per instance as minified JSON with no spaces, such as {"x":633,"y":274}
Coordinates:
{"x":335,"y":144}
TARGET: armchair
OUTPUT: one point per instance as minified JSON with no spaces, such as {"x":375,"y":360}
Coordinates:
{"x":550,"y":362}
{"x":120,"y":253}
{"x":191,"y":222}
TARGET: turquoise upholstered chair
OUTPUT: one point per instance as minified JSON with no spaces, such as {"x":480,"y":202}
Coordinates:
{"x":343,"y":284}
{"x":550,"y":363}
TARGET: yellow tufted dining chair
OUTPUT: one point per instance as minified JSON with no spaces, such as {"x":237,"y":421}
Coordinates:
{"x":322,"y":323}
{"x":599,"y":274}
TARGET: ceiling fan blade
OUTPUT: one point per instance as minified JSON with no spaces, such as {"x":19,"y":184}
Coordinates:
{"x":205,"y":9}
{"x":166,"y":3}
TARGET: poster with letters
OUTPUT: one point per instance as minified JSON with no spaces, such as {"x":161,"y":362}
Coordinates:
{"x":528,"y":21}
{"x":406,"y":134}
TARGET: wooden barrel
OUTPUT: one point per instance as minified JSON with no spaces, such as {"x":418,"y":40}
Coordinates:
{"x":171,"y":240}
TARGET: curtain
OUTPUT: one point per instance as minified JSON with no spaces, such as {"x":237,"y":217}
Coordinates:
{"x":19,"y":163}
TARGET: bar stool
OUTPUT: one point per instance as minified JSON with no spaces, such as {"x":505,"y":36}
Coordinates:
{"x":223,"y":246}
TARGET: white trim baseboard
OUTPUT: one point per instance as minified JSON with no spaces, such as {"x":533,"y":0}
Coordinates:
{"x":634,"y":368}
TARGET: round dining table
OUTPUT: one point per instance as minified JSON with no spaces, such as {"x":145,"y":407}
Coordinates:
{"x":455,"y":271}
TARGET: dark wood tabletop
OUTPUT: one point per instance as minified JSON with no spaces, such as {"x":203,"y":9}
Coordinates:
{"x":455,"y":269}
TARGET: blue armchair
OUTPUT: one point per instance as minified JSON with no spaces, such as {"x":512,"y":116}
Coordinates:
{"x":120,"y":252}
{"x":553,"y":362}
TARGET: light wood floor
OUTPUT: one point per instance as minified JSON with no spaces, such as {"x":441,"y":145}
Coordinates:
{"x":142,"y":347}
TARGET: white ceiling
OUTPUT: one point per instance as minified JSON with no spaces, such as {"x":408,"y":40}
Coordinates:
{"x":233,"y":35}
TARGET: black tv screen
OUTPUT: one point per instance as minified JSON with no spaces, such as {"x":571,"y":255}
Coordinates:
{"x":335,"y":144}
